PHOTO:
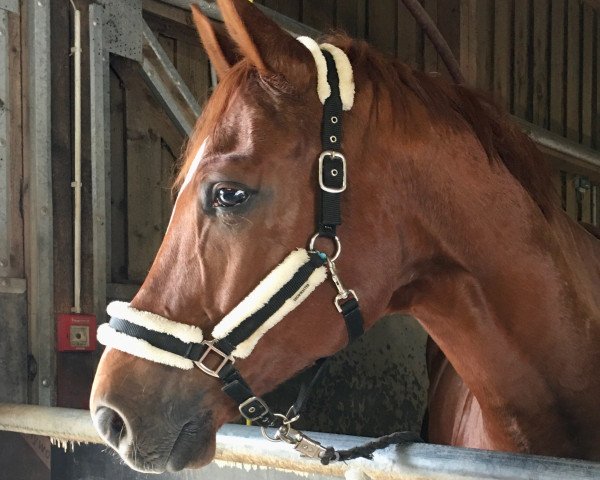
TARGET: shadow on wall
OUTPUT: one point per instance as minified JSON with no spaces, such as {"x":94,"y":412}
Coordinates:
{"x":376,"y":386}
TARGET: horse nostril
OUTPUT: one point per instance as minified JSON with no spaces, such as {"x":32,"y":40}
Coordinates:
{"x":110,"y":425}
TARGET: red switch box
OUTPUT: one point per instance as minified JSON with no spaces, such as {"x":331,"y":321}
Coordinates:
{"x":76,"y":332}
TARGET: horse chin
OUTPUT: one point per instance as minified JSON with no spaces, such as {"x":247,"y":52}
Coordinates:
{"x":194,"y":448}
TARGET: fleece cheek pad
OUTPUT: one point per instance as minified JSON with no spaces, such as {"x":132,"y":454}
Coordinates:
{"x":253,"y":303}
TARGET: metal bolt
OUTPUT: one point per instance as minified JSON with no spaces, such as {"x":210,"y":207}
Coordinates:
{"x":3,"y":262}
{"x":44,"y":210}
{"x":2,"y":32}
{"x":94,"y":23}
{"x":40,"y":3}
{"x":45,"y":382}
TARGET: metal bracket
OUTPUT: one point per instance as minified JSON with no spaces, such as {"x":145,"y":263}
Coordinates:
{"x":10,"y":6}
{"x":123,"y":28}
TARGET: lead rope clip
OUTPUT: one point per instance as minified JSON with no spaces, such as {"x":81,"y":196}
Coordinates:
{"x":302,"y":443}
{"x":343,"y":293}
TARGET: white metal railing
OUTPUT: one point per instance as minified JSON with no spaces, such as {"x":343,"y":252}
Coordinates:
{"x":244,"y":446}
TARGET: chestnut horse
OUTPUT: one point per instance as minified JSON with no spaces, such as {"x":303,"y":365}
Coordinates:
{"x":449,"y":217}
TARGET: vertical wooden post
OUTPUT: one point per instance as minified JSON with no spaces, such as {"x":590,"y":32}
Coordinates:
{"x":557,"y":66}
{"x":541,"y":37}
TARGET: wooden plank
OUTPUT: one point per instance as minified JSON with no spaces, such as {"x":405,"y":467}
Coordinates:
{"x":143,"y":147}
{"x":16,"y":262}
{"x":62,"y":165}
{"x":382,"y":28}
{"x":476,"y":42}
{"x":563,"y":190}
{"x":13,"y":347}
{"x":503,"y":38}
{"x":144,"y":199}
{"x":350,"y":17}
{"x":448,"y":21}
{"x":587,"y":81}
{"x":570,"y":196}
{"x":573,"y":100}
{"x":595,"y":200}
{"x":522,"y":84}
{"x":319,"y":14}
{"x":118,"y":167}
{"x":168,"y":45}
{"x":147,"y":128}
{"x":194,"y":68}
{"x":586,"y":206}
{"x":409,"y":41}
{"x":289,"y":8}
{"x":541,"y":38}
{"x":596,"y":105}
{"x":430,"y":55}
{"x":484,"y":43}
{"x":557,"y":182}
{"x":557,"y":66}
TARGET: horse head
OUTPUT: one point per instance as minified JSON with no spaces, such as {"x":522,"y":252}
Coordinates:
{"x":447,"y":214}
{"x":246,"y":198}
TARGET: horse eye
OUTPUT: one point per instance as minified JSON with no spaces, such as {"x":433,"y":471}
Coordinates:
{"x":229,"y":197}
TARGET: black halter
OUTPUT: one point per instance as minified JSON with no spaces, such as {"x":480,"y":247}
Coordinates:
{"x":218,"y":353}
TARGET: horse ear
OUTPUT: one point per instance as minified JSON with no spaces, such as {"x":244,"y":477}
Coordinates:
{"x":219,"y":46}
{"x":269,"y":48}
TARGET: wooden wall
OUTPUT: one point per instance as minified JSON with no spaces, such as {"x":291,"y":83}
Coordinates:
{"x":145,"y":147}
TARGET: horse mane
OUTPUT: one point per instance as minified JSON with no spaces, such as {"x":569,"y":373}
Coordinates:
{"x":458,"y":107}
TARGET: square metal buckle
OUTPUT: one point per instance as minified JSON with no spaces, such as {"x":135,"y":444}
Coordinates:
{"x":211,"y":348}
{"x":251,"y":410}
{"x":333,"y":154}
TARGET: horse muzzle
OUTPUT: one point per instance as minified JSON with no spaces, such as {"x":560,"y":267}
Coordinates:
{"x":154,"y":444}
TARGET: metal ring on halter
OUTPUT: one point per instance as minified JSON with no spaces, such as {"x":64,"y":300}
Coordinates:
{"x":335,"y":239}
{"x":275,"y":438}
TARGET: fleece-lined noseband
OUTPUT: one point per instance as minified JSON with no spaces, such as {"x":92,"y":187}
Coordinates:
{"x":161,"y":340}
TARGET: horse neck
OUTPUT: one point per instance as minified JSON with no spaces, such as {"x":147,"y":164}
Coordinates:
{"x":496,"y":288}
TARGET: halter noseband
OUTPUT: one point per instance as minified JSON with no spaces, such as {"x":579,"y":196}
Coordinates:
{"x":158,"y":339}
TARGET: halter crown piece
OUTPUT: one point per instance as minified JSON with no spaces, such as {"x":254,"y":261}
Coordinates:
{"x":158,"y":339}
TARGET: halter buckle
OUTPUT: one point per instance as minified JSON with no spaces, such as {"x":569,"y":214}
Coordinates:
{"x":341,"y":161}
{"x":224,"y":359}
{"x":254,"y":409}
